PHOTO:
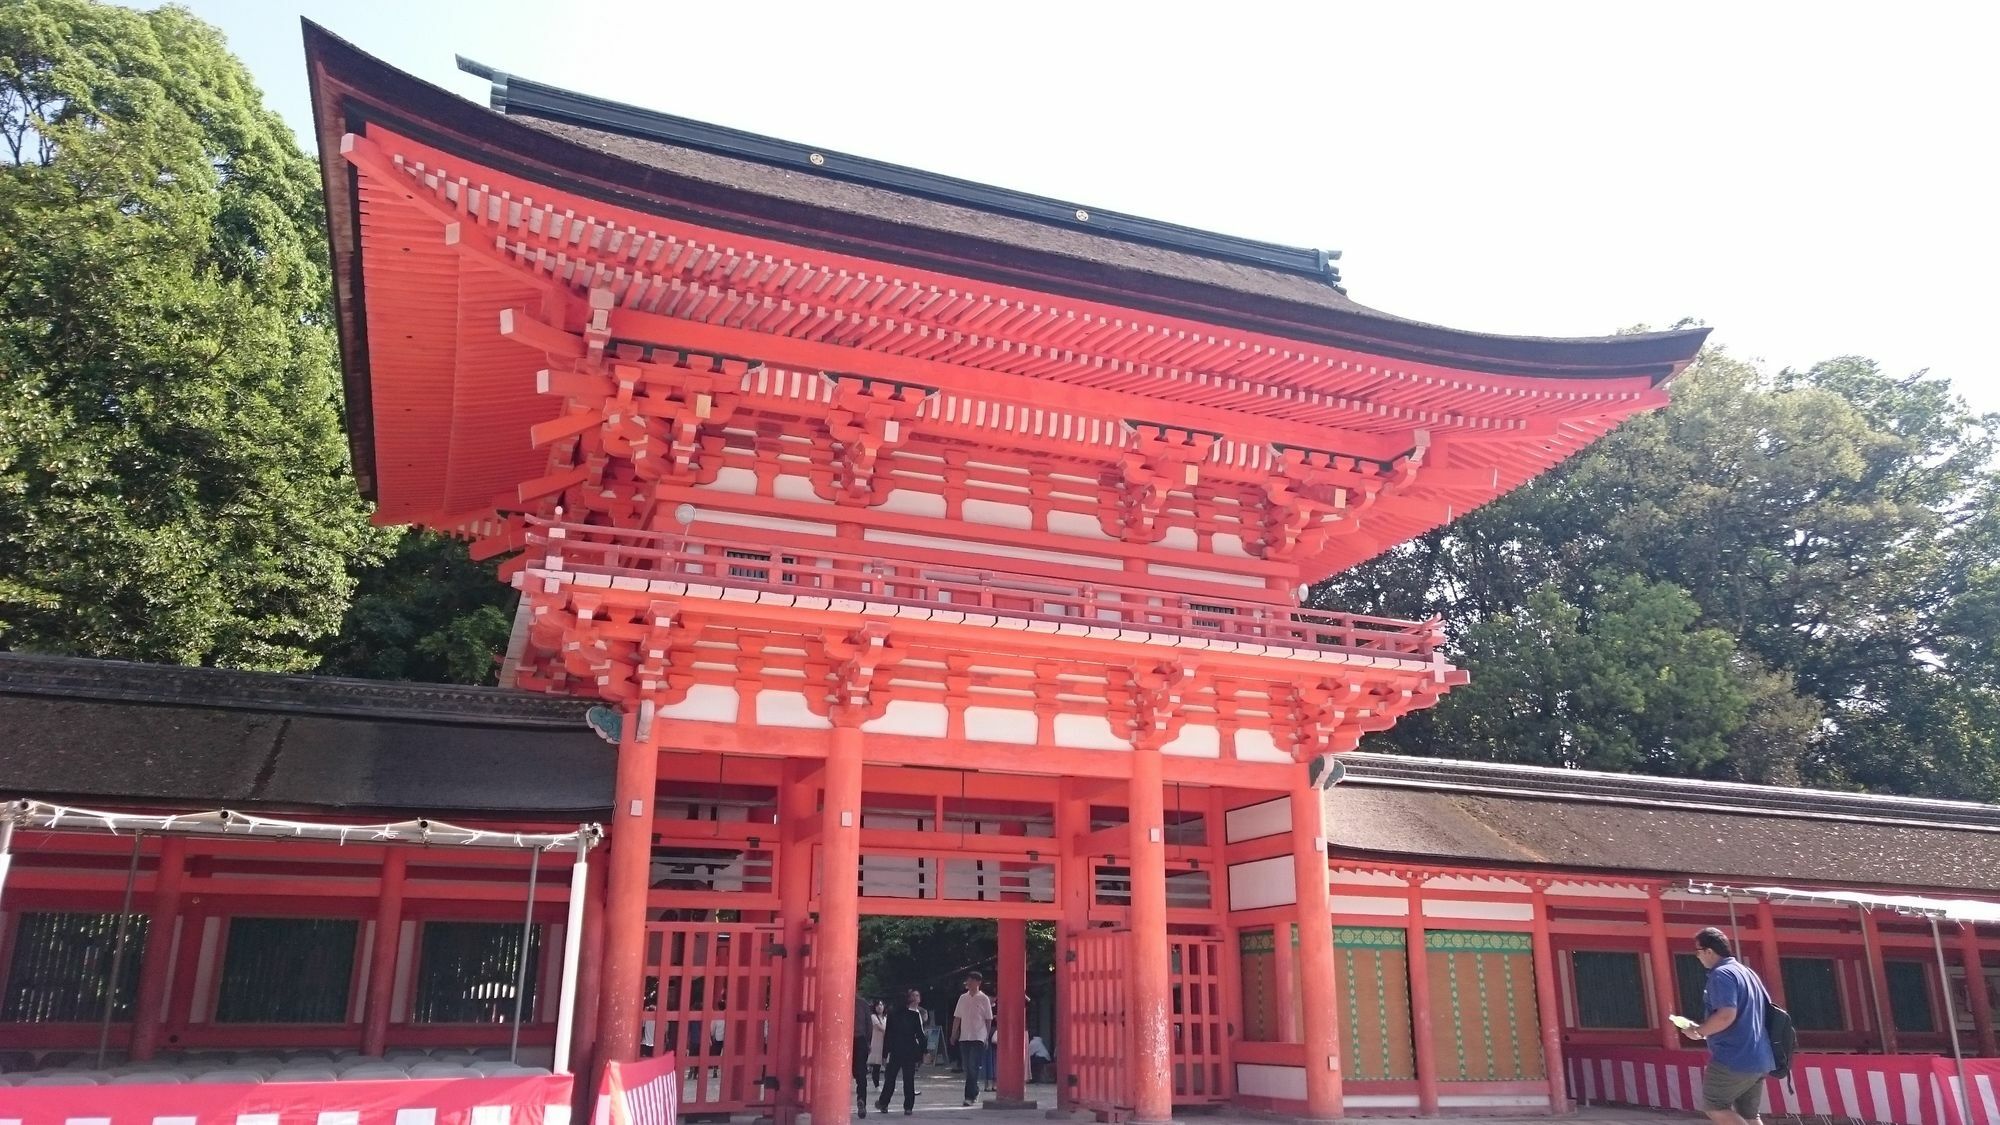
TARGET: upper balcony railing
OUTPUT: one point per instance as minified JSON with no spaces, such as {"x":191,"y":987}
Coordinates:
{"x":794,"y":571}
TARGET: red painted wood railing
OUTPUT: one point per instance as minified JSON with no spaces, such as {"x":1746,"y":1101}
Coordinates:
{"x":652,"y":555}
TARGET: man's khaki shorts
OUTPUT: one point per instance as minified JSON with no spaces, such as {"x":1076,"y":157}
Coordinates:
{"x":1742,"y":1091}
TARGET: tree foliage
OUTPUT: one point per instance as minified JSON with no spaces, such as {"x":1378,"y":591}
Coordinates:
{"x":174,"y":483}
{"x":426,"y":613}
{"x":1790,"y":577}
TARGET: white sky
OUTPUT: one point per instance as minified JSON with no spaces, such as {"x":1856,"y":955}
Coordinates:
{"x":1811,"y":179}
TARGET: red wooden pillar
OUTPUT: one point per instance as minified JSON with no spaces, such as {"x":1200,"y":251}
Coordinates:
{"x":795,"y":815}
{"x":382,"y":957}
{"x":839,"y":936}
{"x":1423,"y":1045}
{"x":1319,"y":992}
{"x":1285,"y":963}
{"x":1975,"y":988}
{"x":630,"y":876}
{"x":1878,"y":980}
{"x":157,"y":966}
{"x":1550,"y":1007}
{"x":1665,"y":987}
{"x":1073,"y":877}
{"x":1770,"y":969}
{"x":1011,"y":1008}
{"x":589,"y":977}
{"x":1150,"y":1063}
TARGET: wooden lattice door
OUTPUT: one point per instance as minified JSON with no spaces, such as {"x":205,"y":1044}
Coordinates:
{"x":1202,"y":1069}
{"x":716,"y":998}
{"x":1093,"y":1062}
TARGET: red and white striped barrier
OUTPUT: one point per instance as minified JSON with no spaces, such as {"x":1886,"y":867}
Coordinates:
{"x":535,"y":1100}
{"x":1887,"y":1089}
{"x":647,"y":1092}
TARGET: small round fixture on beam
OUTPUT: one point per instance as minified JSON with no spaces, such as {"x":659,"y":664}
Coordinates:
{"x":816,"y":159}
{"x":1082,"y":216}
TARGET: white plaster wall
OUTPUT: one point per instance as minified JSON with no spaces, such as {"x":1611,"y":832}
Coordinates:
{"x":910,"y":502}
{"x":1219,"y":577}
{"x":1261,"y":1080}
{"x":976,"y":547}
{"x":728,"y":479}
{"x":921,"y":718}
{"x":1492,"y":1101}
{"x":1595,"y":890}
{"x":1380,"y":1101}
{"x":709,"y":703}
{"x":1196,"y":740}
{"x":745,"y":519}
{"x":1252,"y":822}
{"x":1076,"y":523}
{"x":995,"y":514}
{"x":1087,"y":732}
{"x":1002,"y":724}
{"x":1262,"y":882}
{"x":1461,"y":883}
{"x":796,"y":486}
{"x":1368,"y":904}
{"x":1256,"y":746}
{"x":788,"y":709}
{"x":1367,"y":879}
{"x":1485,"y":911}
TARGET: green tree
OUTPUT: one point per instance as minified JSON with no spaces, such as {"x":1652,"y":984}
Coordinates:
{"x":426,"y":613}
{"x":174,"y":484}
{"x":1839,"y":526}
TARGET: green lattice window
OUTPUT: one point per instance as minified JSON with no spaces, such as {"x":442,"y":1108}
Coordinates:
{"x":1812,"y":993}
{"x":1910,"y":996}
{"x":1610,"y":990}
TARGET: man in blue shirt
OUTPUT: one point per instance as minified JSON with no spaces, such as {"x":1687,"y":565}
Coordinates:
{"x":1739,"y":1045}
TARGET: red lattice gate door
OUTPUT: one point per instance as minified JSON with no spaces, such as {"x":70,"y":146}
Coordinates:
{"x":808,"y":1003}
{"x":1202,"y":1069}
{"x":1093,"y":1062}
{"x":716,"y":998}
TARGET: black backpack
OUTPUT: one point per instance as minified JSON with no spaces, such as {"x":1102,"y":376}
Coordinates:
{"x":1784,"y":1040}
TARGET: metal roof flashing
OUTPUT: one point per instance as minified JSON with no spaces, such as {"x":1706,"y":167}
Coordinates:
{"x":510,"y":95}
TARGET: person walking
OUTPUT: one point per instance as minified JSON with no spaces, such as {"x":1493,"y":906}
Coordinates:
{"x":878,"y":1024}
{"x":903,"y":1041}
{"x":864,"y":1019}
{"x":1739,"y":1044}
{"x":1038,"y":1058}
{"x":971,"y":1028}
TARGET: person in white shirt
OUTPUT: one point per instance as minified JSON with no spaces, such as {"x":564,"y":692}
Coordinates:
{"x":1038,"y":1057}
{"x":971,"y":1028}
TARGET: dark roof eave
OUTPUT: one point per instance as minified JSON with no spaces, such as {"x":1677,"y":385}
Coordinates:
{"x":444,"y":119}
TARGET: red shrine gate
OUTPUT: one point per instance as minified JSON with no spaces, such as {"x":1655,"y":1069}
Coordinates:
{"x":939,"y":549}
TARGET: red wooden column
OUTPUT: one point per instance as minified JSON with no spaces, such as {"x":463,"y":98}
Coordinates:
{"x":1550,"y":1007}
{"x":382,"y":957}
{"x":1975,"y":988}
{"x":158,"y":963}
{"x":589,"y":976}
{"x":1285,"y":963}
{"x":630,"y":876}
{"x":1150,"y":1063}
{"x":1075,"y":884}
{"x":795,"y":815}
{"x":1664,"y":987}
{"x":1770,"y":969}
{"x":839,"y":938}
{"x":1423,"y":1046}
{"x":1319,"y":992}
{"x":1878,"y":980}
{"x":1011,"y":1008}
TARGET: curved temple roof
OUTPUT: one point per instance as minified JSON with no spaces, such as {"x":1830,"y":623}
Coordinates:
{"x":1207,"y":320}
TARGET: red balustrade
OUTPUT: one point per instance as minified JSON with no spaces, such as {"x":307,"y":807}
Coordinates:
{"x":666,"y":556}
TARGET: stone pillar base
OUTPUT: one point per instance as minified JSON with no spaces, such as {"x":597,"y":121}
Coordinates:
{"x":1009,"y":1103}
